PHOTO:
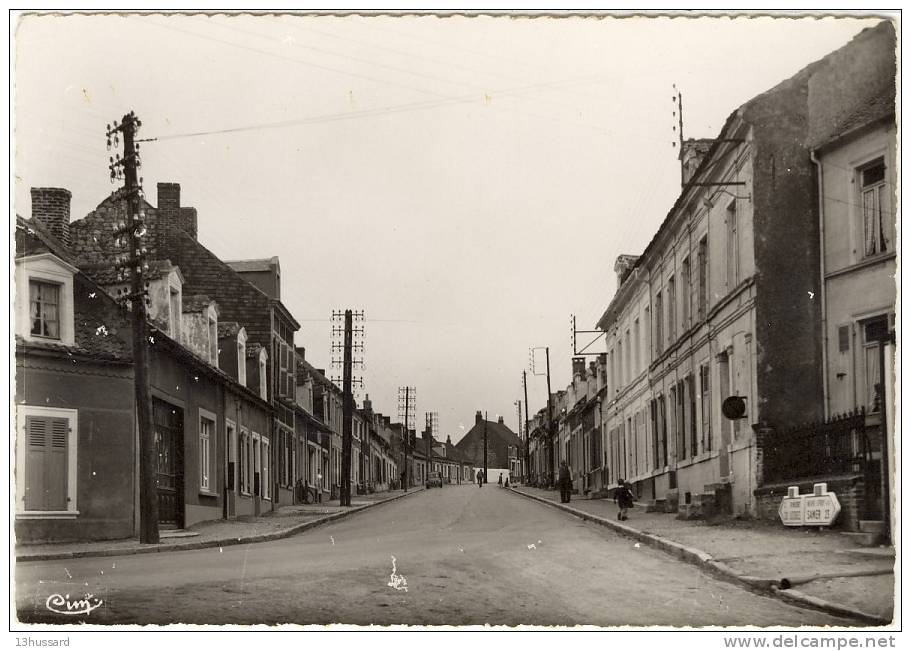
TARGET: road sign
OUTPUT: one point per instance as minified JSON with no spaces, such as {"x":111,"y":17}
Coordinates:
{"x":817,"y":509}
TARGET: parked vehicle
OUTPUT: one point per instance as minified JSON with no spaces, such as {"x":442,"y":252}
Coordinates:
{"x":434,"y":479}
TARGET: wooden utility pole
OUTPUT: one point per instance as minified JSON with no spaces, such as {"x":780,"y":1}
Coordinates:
{"x":133,"y":265}
{"x":347,"y":415}
{"x":406,"y":396}
{"x":550,"y":417}
{"x":485,"y":447}
{"x":527,"y":453}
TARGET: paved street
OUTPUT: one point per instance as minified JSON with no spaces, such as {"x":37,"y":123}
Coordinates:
{"x":465,"y":554}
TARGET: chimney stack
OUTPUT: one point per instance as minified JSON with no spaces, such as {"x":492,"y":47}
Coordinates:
{"x":500,"y":420}
{"x":623,"y":266}
{"x":691,"y":155}
{"x":478,"y":417}
{"x":169,"y":206}
{"x":187,"y":221}
{"x":51,"y":209}
{"x":578,"y":366}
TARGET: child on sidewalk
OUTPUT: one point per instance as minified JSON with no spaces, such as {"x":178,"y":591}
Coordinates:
{"x":623,"y":496}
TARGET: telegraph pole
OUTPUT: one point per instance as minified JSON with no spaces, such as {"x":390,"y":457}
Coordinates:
{"x":132,"y":265}
{"x":431,"y":418}
{"x":347,"y":363}
{"x":519,"y":458}
{"x":550,"y":414}
{"x":406,"y":399}
{"x":527,"y":453}
{"x":347,"y":415}
{"x":485,"y":447}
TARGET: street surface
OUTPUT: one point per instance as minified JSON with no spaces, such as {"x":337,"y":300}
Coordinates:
{"x":467,"y":556}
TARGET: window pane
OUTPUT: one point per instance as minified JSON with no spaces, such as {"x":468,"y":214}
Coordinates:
{"x":874,"y":174}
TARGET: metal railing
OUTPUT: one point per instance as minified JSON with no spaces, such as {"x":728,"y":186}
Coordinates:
{"x":835,"y":447}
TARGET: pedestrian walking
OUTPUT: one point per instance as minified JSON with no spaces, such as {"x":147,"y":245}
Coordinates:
{"x":500,"y":480}
{"x":506,"y":483}
{"x":480,"y":479}
{"x":623,"y":496}
{"x":565,"y":482}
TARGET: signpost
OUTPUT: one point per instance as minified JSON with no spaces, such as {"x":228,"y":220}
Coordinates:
{"x":817,"y":509}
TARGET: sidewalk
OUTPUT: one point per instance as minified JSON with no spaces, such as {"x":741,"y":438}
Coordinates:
{"x":825,"y":569}
{"x":285,"y":521}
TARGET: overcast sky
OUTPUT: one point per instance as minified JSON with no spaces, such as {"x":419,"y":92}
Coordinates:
{"x":467,"y":182}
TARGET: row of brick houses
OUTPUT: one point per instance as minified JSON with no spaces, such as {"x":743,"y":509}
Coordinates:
{"x":770,"y":281}
{"x":243,"y":422}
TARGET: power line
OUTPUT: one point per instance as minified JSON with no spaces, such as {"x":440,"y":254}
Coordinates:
{"x":444,"y":99}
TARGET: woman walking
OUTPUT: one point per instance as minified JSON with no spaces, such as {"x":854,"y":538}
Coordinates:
{"x":565,"y":482}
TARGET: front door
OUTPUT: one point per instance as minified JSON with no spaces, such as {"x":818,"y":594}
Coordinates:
{"x":168,"y":422}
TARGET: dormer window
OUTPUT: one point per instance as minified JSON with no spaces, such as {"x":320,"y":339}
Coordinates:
{"x":44,"y":299}
{"x":174,"y":313}
{"x":213,"y":342}
{"x":262,"y":375}
{"x":242,"y":357}
{"x":44,"y":312}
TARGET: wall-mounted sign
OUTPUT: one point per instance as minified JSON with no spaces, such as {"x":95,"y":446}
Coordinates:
{"x":734,"y":407}
{"x":817,"y":509}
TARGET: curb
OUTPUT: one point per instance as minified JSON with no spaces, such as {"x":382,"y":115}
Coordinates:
{"x":705,"y":561}
{"x":223,"y":542}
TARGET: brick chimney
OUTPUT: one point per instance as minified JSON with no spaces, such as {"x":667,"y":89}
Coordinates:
{"x":169,"y":206}
{"x":692,"y":153}
{"x":51,"y":209}
{"x":500,"y":420}
{"x":578,"y":366}
{"x":623,"y":266}
{"x":187,"y":221}
{"x":478,"y":417}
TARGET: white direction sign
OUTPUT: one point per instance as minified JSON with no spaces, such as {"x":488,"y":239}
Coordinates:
{"x":818,"y":509}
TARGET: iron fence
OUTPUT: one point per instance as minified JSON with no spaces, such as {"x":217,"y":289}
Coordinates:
{"x":834,"y":447}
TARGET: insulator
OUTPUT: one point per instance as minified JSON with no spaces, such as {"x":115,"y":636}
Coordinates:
{"x":140,"y":180}
{"x":142,"y":214}
{"x":143,"y":250}
{"x":138,"y":269}
{"x":109,"y":144}
{"x":138,"y":123}
{"x":137,"y":147}
{"x":145,"y":266}
{"x":112,"y":178}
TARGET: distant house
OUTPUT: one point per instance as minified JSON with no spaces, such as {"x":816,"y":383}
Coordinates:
{"x":503,"y":446}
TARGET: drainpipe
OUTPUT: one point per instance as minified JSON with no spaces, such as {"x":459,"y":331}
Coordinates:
{"x":822,"y":285}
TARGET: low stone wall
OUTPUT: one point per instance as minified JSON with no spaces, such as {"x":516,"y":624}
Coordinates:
{"x":848,"y":488}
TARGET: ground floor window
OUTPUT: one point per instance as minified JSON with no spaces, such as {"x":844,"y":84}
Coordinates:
{"x":266,"y":467}
{"x":46,"y":460}
{"x":246,"y":462}
{"x":206,"y":458}
{"x":231,"y":441}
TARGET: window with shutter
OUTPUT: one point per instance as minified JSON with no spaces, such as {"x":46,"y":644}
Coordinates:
{"x":46,"y":463}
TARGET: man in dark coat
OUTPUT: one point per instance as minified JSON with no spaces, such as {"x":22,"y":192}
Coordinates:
{"x":480,"y":478}
{"x":565,"y":482}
